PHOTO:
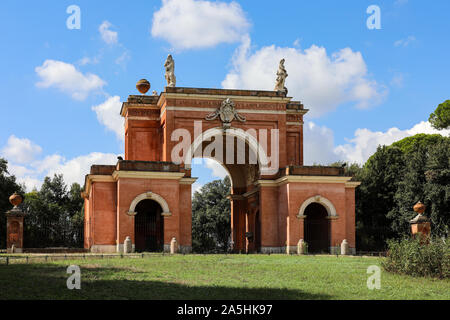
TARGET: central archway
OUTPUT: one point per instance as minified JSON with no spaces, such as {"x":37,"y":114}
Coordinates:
{"x":243,"y":163}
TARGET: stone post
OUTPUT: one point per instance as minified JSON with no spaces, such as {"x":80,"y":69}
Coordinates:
{"x":420,"y":224}
{"x":301,"y":246}
{"x":14,"y":225}
{"x":173,"y":246}
{"x":127,"y":245}
{"x":344,"y":247}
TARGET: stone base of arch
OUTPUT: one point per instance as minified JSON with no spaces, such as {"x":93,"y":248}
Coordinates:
{"x":268,"y":219}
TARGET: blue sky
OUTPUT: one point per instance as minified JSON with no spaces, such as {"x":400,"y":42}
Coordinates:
{"x":61,"y":89}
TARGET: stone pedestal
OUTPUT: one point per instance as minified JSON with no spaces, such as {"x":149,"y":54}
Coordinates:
{"x":127,"y":245}
{"x":423,"y":228}
{"x":301,"y":247}
{"x":14,"y":226}
{"x":420,"y":225}
{"x":173,"y":246}
{"x":344,"y":247}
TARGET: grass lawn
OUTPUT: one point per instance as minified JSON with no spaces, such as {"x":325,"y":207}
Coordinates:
{"x":215,"y":277}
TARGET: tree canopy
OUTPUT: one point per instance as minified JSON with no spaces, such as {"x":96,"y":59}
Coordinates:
{"x":440,"y":118}
{"x":396,"y":177}
{"x":211,"y":217}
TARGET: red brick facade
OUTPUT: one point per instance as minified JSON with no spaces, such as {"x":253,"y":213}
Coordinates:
{"x":267,"y":205}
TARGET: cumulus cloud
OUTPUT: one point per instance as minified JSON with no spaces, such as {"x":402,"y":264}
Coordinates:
{"x":365,"y":141}
{"x":193,"y":24}
{"x":318,"y":144}
{"x":74,"y":170}
{"x":108,"y":36}
{"x":66,"y":78}
{"x":108,"y":115}
{"x":20,"y":150}
{"x":321,"y":81}
{"x":218,"y":171}
{"x":31,"y":171}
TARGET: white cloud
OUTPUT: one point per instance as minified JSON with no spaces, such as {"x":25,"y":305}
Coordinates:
{"x":68,"y":79}
{"x":108,"y":115}
{"x":196,"y":186}
{"x":20,"y":150}
{"x":318,"y":144}
{"x":109,"y":36}
{"x":31,"y":171}
{"x":320,"y":81}
{"x":365,"y":142}
{"x":74,"y":170}
{"x":218,"y":171}
{"x":404,"y":42}
{"x":191,"y":24}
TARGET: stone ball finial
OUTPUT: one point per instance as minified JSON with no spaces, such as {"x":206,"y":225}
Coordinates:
{"x":15,"y":199}
{"x":419,"y":207}
{"x":143,"y":86}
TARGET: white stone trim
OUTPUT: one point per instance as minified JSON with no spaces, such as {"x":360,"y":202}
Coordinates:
{"x":303,"y":179}
{"x":91,"y":178}
{"x":221,"y":97}
{"x":331,"y":210}
{"x":188,"y":180}
{"x":147,"y":175}
{"x":151,"y":196}
{"x":352,"y":184}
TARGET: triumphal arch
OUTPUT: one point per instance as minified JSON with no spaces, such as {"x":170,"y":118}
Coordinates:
{"x":257,"y":136}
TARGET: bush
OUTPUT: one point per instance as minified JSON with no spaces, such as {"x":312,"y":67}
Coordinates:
{"x":413,"y":257}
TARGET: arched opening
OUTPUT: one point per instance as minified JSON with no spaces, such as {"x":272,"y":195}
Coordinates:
{"x":148,"y":227}
{"x":317,"y":228}
{"x":237,"y":156}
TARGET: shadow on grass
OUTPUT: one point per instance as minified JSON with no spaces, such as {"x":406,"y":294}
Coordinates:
{"x":47,"y":281}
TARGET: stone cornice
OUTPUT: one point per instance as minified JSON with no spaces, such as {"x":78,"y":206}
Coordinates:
{"x":135,"y":175}
{"x":188,"y":180}
{"x":303,"y":179}
{"x":352,"y":184}
{"x":147,"y":175}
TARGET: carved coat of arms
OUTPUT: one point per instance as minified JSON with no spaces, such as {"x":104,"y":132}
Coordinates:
{"x":227,"y":113}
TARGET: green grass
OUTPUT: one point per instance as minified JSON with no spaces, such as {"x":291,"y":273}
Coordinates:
{"x":215,"y":277}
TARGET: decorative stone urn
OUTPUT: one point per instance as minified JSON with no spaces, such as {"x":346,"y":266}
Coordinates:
{"x":143,"y":86}
{"x":14,"y":225}
{"x":420,"y":224}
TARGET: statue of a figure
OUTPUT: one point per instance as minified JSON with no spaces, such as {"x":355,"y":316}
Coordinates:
{"x":281,"y":78}
{"x":170,"y":71}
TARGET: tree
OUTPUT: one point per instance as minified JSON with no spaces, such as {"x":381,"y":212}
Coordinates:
{"x":55,"y":215}
{"x":211,"y":217}
{"x":396,"y":177}
{"x":440,"y":118}
{"x":375,"y":197}
{"x":8,"y":186}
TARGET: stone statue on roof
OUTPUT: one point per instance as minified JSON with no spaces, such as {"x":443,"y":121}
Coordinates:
{"x":170,"y":71}
{"x":281,"y":78}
